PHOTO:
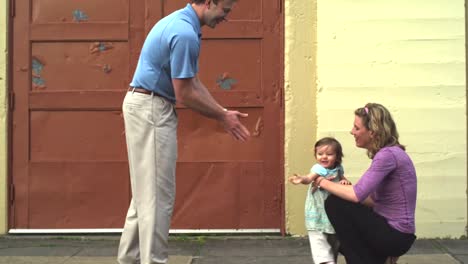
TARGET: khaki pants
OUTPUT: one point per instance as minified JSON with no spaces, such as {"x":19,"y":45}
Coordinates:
{"x":151,"y":135}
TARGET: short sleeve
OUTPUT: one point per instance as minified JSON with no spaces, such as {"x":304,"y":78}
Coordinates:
{"x":382,"y":165}
{"x":185,"y":49}
{"x":319,"y":169}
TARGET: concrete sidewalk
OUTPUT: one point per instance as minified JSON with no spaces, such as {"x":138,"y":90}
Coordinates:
{"x":204,"y":250}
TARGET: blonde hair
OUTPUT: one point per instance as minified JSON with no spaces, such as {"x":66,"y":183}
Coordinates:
{"x":377,"y":119}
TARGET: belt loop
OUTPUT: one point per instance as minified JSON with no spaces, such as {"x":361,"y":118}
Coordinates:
{"x":133,"y":90}
{"x":152,"y":94}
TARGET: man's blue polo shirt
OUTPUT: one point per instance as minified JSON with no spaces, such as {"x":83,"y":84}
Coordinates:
{"x":171,"y":50}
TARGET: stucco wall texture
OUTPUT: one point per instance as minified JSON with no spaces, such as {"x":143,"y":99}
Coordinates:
{"x":3,"y":117}
{"x":300,"y":104}
{"x":339,"y":54}
{"x":406,"y":55}
{"x":410,"y":57}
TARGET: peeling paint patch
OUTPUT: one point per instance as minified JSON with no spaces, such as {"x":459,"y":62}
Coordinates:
{"x":37,"y":80}
{"x":98,"y":47}
{"x":258,"y":127}
{"x":224,"y":82}
{"x":37,"y":66}
{"x":102,"y":47}
{"x":107,"y":68}
{"x":79,"y":16}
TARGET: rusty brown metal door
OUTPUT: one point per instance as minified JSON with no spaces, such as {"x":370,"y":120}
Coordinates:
{"x":72,"y":62}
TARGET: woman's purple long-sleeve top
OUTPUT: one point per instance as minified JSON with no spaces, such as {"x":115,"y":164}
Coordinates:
{"x":391,"y":183}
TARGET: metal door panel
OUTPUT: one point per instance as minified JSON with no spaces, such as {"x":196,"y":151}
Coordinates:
{"x":205,"y":140}
{"x":77,"y":136}
{"x":236,"y":60}
{"x":77,"y":194}
{"x":70,"y":74}
{"x":224,"y":184}
{"x":55,"y":20}
{"x":251,"y":10}
{"x":223,"y":195}
{"x":79,"y":66}
{"x":245,"y":21}
{"x":58,"y":11}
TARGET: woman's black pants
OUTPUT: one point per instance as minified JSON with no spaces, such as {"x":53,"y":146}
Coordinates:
{"x":365,"y":237}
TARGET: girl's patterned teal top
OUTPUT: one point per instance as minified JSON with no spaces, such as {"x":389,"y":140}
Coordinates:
{"x":315,"y":215}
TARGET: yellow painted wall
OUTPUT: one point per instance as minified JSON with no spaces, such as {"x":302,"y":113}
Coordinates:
{"x":339,"y":54}
{"x":300,"y":103}
{"x":3,"y":118}
{"x":407,"y":55}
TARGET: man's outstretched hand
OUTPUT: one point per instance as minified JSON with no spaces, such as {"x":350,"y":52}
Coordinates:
{"x":233,"y":125}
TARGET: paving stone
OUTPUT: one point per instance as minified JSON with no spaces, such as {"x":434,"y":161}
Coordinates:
{"x":455,"y":246}
{"x":98,"y":251}
{"x":427,"y":259}
{"x":462,"y":258}
{"x":40,"y":251}
{"x":254,"y":260}
{"x":286,"y":247}
{"x":78,"y":260}
{"x":407,"y":259}
{"x":208,"y":250}
{"x":32,"y":260}
{"x":113,"y":260}
{"x":425,"y":247}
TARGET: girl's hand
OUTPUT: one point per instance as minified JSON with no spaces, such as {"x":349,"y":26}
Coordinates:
{"x":295,"y":179}
{"x":345,"y":182}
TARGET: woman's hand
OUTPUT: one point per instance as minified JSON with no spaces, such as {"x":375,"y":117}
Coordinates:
{"x":314,"y":187}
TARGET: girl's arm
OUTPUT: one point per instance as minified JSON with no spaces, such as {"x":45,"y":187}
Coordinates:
{"x":382,"y":164}
{"x":305,"y":179}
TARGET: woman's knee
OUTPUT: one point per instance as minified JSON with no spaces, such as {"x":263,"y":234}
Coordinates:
{"x":331,"y":205}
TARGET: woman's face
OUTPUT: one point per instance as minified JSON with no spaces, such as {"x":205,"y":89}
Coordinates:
{"x":362,"y":136}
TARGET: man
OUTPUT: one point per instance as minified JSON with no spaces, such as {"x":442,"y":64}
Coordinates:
{"x":166,"y":71}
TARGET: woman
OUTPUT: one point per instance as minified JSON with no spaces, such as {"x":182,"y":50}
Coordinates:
{"x":374,"y":219}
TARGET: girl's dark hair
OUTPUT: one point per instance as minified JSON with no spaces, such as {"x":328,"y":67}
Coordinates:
{"x":377,"y":118}
{"x":329,"y":141}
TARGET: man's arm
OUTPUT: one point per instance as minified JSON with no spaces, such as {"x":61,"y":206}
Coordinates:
{"x":193,"y":94}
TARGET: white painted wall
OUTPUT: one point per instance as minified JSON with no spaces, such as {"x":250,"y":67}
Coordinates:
{"x":410,"y":57}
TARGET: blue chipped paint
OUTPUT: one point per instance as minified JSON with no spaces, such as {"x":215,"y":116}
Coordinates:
{"x":79,"y":15}
{"x":225,"y":83}
{"x":102,"y":47}
{"x":37,"y":68}
{"x":38,"y":81}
